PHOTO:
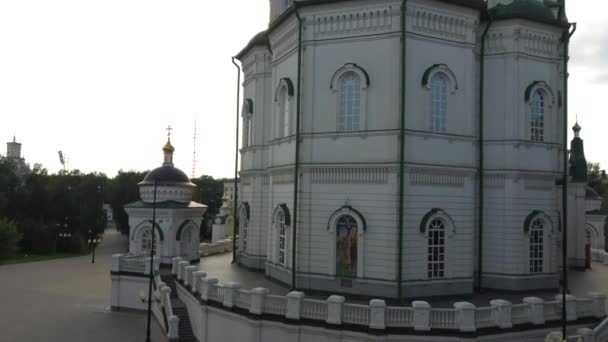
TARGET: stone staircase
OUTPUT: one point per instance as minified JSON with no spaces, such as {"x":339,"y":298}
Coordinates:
{"x":185,"y":328}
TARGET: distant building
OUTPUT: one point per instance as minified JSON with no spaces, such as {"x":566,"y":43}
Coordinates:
{"x":13,"y":155}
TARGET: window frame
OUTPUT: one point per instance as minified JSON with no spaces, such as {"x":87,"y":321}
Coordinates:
{"x":244,"y":228}
{"x":332,"y":240}
{"x":536,"y":264}
{"x":436,"y":251}
{"x":538,"y":101}
{"x":284,"y":109}
{"x":335,"y":86}
{"x":550,"y":133}
{"x":451,"y":87}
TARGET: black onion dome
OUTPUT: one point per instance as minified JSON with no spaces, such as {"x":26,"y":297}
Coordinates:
{"x":166,"y":174}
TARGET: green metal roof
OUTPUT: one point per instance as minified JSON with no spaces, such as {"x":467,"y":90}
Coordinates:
{"x":165,"y":205}
{"x":524,"y":9}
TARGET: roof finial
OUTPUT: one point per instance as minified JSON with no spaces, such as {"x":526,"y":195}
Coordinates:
{"x":169,"y":129}
{"x":168,"y":148}
{"x":577,"y":128}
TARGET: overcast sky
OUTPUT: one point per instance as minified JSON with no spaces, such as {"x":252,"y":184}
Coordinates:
{"x":100,"y":80}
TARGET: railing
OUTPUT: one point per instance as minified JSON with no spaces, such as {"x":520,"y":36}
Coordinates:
{"x":244,"y":299}
{"x":132,"y":264}
{"x":399,"y":317}
{"x":443,"y":319}
{"x":356,"y":314}
{"x":552,"y":311}
{"x":519,"y":314}
{"x":601,"y":331}
{"x":314,"y":309}
{"x":422,"y":317}
{"x":275,"y":305}
{"x":484,"y":318}
{"x":584,"y":307}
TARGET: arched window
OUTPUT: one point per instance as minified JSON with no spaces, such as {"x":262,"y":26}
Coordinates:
{"x":537,"y":115}
{"x":349,"y":113}
{"x":185,"y":242}
{"x":146,"y":241}
{"x":436,"y":249}
{"x":247,"y":114}
{"x":284,"y":112}
{"x":537,"y":241}
{"x":244,"y":225}
{"x":282,"y":242}
{"x":439,"y":102}
{"x":346,"y":246}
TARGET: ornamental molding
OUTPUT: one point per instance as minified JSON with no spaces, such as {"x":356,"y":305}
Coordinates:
{"x":349,"y":175}
{"x":438,"y":176}
{"x":360,"y":21}
{"x":439,"y":24}
{"x":284,"y":40}
{"x":282,"y":176}
{"x":522,"y":40}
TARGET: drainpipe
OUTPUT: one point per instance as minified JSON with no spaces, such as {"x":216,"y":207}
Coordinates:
{"x":297,"y":156}
{"x":236,"y":164}
{"x":480,"y":146}
{"x":401,"y":155}
{"x":568,"y":32}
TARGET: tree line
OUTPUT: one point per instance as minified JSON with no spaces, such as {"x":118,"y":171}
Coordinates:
{"x":43,"y":213}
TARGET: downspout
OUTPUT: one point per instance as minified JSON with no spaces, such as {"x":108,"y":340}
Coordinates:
{"x":236,"y":165}
{"x":297,"y":156}
{"x":568,"y":32}
{"x":481,"y":150}
{"x":401,"y":155}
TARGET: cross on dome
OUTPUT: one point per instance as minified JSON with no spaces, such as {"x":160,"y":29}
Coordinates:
{"x":169,"y":129}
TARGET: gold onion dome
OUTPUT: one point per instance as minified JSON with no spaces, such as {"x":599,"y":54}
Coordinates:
{"x":168,"y":148}
{"x":576,"y":128}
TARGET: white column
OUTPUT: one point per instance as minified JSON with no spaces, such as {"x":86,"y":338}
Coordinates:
{"x":535,"y":310}
{"x":377,"y":314}
{"x":173,"y":333}
{"x":188,"y":275}
{"x":465,"y":316}
{"x":206,"y":284}
{"x":422,"y":315}
{"x":147,"y":269}
{"x":571,"y":314}
{"x":166,"y":299}
{"x":231,"y":294}
{"x":334,"y":309}
{"x":258,"y":296}
{"x":174,"y":264}
{"x":196,"y":280}
{"x":116,"y":262}
{"x":599,"y":304}
{"x":294,"y":305}
{"x":502,"y":313}
{"x":181,"y":268}
{"x":586,"y":334}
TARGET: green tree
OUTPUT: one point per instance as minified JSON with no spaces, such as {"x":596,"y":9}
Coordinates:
{"x":9,"y":237}
{"x":122,"y":190}
{"x":597,"y":182}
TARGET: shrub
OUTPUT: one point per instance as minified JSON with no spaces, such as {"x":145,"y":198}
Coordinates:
{"x":9,"y":238}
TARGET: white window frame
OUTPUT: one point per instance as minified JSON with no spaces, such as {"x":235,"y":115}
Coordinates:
{"x":281,"y":227}
{"x":449,"y":230}
{"x":439,"y":103}
{"x":144,"y":242}
{"x":451,"y":88}
{"x":247,"y":115}
{"x":549,"y":118}
{"x":332,"y":240}
{"x":283,"y":110}
{"x":335,"y":84}
{"x":538,"y":111}
{"x":536,"y":263}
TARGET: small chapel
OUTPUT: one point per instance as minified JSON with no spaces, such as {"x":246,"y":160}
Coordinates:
{"x":166,"y":190}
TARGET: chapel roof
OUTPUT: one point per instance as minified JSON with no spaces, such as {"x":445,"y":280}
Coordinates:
{"x":166,"y":174}
{"x":591,"y":194}
{"x":260,"y":39}
{"x":164,"y":205}
{"x":533,"y":10}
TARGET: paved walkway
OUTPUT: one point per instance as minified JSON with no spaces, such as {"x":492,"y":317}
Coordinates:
{"x":581,"y":283}
{"x":67,"y":300}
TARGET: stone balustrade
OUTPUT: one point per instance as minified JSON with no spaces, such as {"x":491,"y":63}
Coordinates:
{"x":130,"y":263}
{"x":464,"y":317}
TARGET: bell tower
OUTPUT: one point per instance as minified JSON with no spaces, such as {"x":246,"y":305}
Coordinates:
{"x":13,"y":149}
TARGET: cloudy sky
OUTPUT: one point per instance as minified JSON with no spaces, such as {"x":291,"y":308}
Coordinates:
{"x":100,"y":80}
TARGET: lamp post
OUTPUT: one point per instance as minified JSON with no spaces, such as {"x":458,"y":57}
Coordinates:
{"x":152,"y":250}
{"x":93,"y":242}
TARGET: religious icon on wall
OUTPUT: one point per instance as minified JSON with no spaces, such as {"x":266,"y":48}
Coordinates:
{"x":346,"y":247}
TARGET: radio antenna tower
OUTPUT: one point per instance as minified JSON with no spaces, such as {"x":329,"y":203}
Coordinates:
{"x":194,"y":151}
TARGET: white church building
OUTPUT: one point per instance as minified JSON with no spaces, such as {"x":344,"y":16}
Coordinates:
{"x":177,"y":217}
{"x":329,"y":90}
